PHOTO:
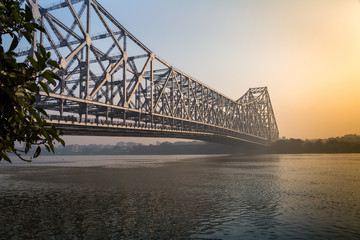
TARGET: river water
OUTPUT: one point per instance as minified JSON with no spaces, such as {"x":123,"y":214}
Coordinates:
{"x":182,"y":197}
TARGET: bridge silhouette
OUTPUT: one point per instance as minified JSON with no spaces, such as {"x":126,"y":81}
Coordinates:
{"x":113,"y":85}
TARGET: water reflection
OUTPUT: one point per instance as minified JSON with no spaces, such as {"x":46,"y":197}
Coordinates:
{"x":94,"y":214}
{"x":243,"y":191}
{"x":222,"y":197}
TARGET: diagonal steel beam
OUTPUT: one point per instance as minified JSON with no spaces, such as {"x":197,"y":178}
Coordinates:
{"x":181,"y":94}
{"x":108,"y":28}
{"x":107,"y":76}
{"x":116,"y":23}
{"x":162,"y":90}
{"x":76,"y":17}
{"x":63,"y":26}
{"x":139,"y":78}
{"x":74,"y":23}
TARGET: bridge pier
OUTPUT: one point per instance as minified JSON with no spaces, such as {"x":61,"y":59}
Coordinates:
{"x":86,"y":112}
{"x":61,"y":108}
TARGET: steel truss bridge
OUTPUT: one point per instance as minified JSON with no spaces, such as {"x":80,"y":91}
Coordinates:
{"x":113,"y":85}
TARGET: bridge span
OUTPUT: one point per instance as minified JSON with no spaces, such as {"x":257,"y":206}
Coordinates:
{"x":113,"y":85}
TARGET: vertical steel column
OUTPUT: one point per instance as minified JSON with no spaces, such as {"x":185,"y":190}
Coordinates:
{"x":162,"y":107}
{"x":81,"y":87}
{"x":189,"y":117}
{"x":86,"y":112}
{"x":41,"y":33}
{"x":124,"y":78}
{"x":112,"y":90}
{"x":195,"y":100}
{"x":81,"y":65}
{"x":183,"y":101}
{"x":181,"y":96}
{"x":268,"y":117}
{"x":112,"y":99}
{"x":61,"y":93}
{"x":61,"y":108}
{"x":146,"y":101}
{"x":172,"y":99}
{"x":35,"y":12}
{"x":88,"y":44}
{"x":107,"y":115}
{"x":107,"y":99}
{"x":201,"y":103}
{"x":152,"y":91}
{"x":137,"y":103}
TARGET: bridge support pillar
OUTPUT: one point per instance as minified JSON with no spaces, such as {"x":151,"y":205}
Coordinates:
{"x":124,"y":118}
{"x":107,"y":115}
{"x":86,"y":112}
{"x":152,"y":92}
{"x":61,"y":108}
{"x":139,"y":119}
{"x":151,"y":120}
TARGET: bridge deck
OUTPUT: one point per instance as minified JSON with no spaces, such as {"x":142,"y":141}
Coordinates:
{"x":117,"y":130}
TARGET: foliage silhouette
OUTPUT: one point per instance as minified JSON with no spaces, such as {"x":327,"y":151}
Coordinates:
{"x":21,"y":121}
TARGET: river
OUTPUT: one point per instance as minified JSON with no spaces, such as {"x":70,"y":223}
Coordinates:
{"x":182,"y":197}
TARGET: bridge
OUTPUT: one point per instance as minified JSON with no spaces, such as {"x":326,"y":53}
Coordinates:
{"x":113,"y":85}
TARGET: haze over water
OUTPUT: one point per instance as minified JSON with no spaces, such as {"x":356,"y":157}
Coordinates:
{"x":182,"y":197}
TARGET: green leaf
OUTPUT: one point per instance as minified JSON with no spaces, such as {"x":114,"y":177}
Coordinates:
{"x":54,"y":75}
{"x":28,"y":36}
{"x":30,"y":27}
{"x":16,"y":16}
{"x":28,"y":14}
{"x":40,"y":28}
{"x":62,"y":142}
{"x":48,"y":76}
{"x":37,"y":152}
{"x":53,"y":63}
{"x":32,"y":87}
{"x":42,"y":111}
{"x":43,"y":51}
{"x":33,"y":62}
{"x":19,"y":94}
{"x":14,"y":43}
{"x":4,"y":156}
{"x":36,"y":116}
{"x":2,"y":7}
{"x":51,"y":147}
{"x":44,"y":87}
{"x":47,"y":148}
{"x":41,"y":61}
{"x":46,"y":135}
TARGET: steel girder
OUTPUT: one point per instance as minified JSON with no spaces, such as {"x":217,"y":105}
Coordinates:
{"x":111,"y":79}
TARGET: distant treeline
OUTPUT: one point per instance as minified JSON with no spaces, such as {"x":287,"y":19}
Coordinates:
{"x":165,"y":148}
{"x":346,"y":144}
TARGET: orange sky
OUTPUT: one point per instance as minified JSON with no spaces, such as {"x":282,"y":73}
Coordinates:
{"x":322,"y":79}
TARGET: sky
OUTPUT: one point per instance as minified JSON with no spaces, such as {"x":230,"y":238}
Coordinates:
{"x":307,"y":52}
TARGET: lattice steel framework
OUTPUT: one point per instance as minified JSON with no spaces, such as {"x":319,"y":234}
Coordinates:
{"x":112,"y":84}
